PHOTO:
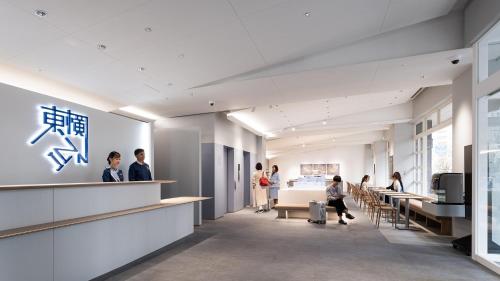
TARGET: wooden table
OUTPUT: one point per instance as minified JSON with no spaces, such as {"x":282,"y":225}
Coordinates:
{"x":386,"y":192}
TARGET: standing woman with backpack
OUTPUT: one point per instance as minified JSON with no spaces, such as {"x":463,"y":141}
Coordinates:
{"x":259,"y":180}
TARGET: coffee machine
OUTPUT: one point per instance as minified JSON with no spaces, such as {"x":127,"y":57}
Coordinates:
{"x":449,"y":188}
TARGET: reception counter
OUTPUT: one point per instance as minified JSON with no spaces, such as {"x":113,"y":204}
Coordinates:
{"x":79,"y":231}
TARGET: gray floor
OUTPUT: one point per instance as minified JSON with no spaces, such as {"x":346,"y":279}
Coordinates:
{"x":247,"y":246}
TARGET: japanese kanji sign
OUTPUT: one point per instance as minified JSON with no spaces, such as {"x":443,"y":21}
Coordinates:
{"x":69,"y":127}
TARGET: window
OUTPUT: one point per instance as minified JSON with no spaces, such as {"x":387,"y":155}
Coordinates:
{"x":432,"y":120}
{"x":439,"y":146}
{"x":433,"y":147}
{"x":489,"y":169}
{"x":446,"y":112}
{"x":418,"y":128}
{"x":489,"y":53}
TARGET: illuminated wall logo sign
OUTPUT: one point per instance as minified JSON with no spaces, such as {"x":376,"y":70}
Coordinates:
{"x":70,"y":128}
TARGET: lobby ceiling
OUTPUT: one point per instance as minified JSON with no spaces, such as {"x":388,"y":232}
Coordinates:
{"x":172,"y":57}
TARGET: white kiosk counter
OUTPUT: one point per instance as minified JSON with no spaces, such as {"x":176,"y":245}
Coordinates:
{"x":80,"y":231}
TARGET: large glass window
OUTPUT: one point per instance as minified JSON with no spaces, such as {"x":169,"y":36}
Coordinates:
{"x":489,"y":53}
{"x":439,"y":146}
{"x":489,"y":163}
{"x":433,"y":147}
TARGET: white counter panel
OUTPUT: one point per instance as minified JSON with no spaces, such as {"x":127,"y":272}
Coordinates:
{"x":86,"y":201}
{"x":27,"y":257}
{"x":300,"y":196}
{"x":20,"y":208}
{"x":85,"y":251}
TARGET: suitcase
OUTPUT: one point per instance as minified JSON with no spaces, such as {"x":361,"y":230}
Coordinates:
{"x":317,"y":212}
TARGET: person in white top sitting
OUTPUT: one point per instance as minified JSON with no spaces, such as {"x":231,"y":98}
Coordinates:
{"x":364,"y":182}
{"x":397,"y":185}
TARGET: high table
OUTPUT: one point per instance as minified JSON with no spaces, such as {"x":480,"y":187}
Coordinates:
{"x":407,"y":198}
{"x":80,"y":231}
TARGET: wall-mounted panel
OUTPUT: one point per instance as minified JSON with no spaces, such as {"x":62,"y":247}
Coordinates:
{"x":35,"y":160}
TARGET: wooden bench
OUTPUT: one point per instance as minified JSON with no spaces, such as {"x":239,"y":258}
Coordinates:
{"x":432,"y":222}
{"x":286,"y":211}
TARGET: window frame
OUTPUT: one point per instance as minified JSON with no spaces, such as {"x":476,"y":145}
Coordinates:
{"x":421,"y":184}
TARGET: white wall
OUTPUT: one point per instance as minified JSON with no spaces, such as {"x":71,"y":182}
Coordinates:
{"x":352,"y":159}
{"x":23,"y":163}
{"x":429,"y":99}
{"x":205,"y":123}
{"x":178,"y":156}
{"x":462,"y":118}
{"x":231,"y":134}
{"x":381,"y":160}
{"x":402,"y":136}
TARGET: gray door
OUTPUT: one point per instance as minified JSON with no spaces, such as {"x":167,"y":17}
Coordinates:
{"x":246,"y":177}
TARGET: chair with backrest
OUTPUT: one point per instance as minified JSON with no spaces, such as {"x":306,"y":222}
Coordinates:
{"x":383,"y":208}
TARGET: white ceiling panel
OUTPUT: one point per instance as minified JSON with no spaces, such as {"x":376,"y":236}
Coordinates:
{"x":200,"y":59}
{"x":245,"y":8}
{"x":66,"y":56}
{"x":21,"y":31}
{"x":406,"y":12}
{"x":74,"y":15}
{"x":426,"y":70}
{"x":171,"y":21}
{"x":284,"y":32}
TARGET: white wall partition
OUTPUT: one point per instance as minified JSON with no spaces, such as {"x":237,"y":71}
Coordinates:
{"x":381,"y":157}
{"x":352,"y":160}
{"x":21,"y":121}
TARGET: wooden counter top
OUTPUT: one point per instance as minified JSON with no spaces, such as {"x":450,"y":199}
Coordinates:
{"x":165,"y":203}
{"x":82,"y":184}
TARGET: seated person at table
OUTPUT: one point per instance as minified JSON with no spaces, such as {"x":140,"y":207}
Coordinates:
{"x":364,"y":182}
{"x":113,"y":174}
{"x":397,"y":185}
{"x":139,"y":170}
{"x":336,"y":199}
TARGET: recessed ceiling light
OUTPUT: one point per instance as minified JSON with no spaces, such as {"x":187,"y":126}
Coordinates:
{"x":307,"y":14}
{"x":293,"y":129}
{"x":303,"y":145}
{"x":40,"y":13}
{"x":148,"y":29}
{"x":101,"y":47}
{"x":324,"y":122}
{"x":141,"y":69}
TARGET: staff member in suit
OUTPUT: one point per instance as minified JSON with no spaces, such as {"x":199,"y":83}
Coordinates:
{"x":139,"y":170}
{"x":113,"y":174}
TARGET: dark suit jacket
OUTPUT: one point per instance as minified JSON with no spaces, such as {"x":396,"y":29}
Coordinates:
{"x":107,"y":177}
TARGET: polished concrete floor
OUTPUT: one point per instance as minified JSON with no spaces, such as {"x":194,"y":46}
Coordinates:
{"x":247,"y":246}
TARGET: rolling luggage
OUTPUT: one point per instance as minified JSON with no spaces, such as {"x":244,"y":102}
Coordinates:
{"x":317,"y":212}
